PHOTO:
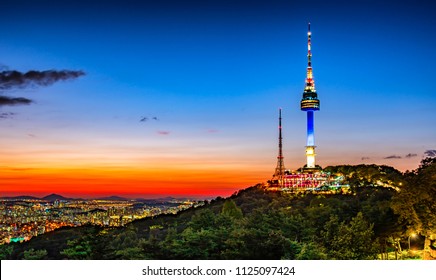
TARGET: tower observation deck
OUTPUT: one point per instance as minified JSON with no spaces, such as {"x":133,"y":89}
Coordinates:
{"x":310,"y":104}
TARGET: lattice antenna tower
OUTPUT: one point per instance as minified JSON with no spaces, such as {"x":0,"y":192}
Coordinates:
{"x":280,"y":169}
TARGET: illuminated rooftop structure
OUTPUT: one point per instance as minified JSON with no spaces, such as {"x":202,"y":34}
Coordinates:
{"x":294,"y":181}
{"x":314,"y":181}
{"x":310,"y":104}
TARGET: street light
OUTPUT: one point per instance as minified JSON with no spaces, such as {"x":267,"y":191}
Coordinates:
{"x":412,"y":235}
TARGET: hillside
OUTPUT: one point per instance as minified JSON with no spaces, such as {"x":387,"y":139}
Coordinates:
{"x":252,"y":224}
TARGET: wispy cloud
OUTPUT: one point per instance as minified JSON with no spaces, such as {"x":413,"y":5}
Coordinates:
{"x":7,"y":115}
{"x":12,"y":101}
{"x":163,"y":132}
{"x":392,"y":157}
{"x":18,"y":169}
{"x":213,"y":131}
{"x":365,"y":158}
{"x":410,"y":155}
{"x":15,"y":79}
{"x":144,"y":119}
{"x":430,"y":153}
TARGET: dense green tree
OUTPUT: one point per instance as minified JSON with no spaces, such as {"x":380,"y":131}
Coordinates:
{"x":376,"y":208}
{"x":236,"y":246}
{"x":153,"y":250}
{"x":130,"y":253}
{"x":125,"y":239}
{"x":231,"y":210}
{"x":296,"y":227}
{"x":364,"y":175}
{"x":311,"y":251}
{"x":258,"y":237}
{"x":416,"y":206}
{"x":6,"y":251}
{"x":78,"y":249}
{"x":200,"y":244}
{"x":33,"y":254}
{"x":204,"y":219}
{"x":127,"y":246}
{"x":353,"y":241}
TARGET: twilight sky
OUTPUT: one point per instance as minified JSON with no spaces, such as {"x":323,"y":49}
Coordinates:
{"x":206,"y":79}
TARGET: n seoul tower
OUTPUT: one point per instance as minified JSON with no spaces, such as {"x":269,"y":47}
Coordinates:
{"x":310,"y":104}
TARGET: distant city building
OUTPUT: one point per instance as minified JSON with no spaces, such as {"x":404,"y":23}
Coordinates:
{"x":21,"y":219}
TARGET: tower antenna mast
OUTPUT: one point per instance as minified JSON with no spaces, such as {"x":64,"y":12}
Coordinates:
{"x":280,"y":169}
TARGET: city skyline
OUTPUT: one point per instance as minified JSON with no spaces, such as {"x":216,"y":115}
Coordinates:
{"x":181,"y":99}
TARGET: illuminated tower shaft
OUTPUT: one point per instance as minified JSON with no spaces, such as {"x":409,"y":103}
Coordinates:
{"x":310,"y":104}
{"x":280,"y":169}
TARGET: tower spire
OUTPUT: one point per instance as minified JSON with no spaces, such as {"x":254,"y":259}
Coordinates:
{"x":310,"y":82}
{"x":309,"y":54}
{"x":280,"y":169}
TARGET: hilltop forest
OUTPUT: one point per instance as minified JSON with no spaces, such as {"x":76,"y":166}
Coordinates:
{"x":376,"y":217}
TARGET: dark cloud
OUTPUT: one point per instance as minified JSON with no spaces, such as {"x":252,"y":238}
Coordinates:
{"x":409,"y":155}
{"x":364,"y":158}
{"x":430,"y":153}
{"x":12,"y":101}
{"x":392,"y":157}
{"x":15,"y":79}
{"x":10,"y":80}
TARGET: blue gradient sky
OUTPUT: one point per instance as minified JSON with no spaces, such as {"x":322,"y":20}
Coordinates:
{"x":214,"y":74}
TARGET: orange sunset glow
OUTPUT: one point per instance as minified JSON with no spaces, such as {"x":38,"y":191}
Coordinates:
{"x":128,"y":182}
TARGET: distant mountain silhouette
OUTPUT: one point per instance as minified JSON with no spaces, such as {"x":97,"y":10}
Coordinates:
{"x":53,"y":197}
